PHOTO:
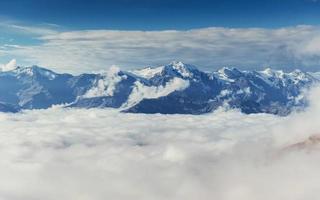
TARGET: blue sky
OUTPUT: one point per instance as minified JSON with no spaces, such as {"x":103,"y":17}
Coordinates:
{"x":162,"y":14}
{"x":81,"y":35}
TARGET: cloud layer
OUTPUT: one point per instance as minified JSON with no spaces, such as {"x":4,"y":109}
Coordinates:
{"x":103,"y":154}
{"x":209,"y":48}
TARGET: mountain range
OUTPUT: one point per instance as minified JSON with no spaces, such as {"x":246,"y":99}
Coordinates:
{"x":176,"y":88}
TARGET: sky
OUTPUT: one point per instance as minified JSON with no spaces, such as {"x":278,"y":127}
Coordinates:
{"x":106,"y":154}
{"x":162,"y":14}
{"x":78,"y":36}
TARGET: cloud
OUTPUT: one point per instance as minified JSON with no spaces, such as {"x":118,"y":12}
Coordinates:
{"x":140,"y":91}
{"x":38,"y":30}
{"x":107,"y":85}
{"x":9,"y":66}
{"x":208,"y":48}
{"x":103,"y":154}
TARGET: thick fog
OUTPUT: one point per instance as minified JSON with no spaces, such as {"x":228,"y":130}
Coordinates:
{"x":63,"y":154}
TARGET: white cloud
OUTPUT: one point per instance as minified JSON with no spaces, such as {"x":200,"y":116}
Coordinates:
{"x":209,"y":48}
{"x":140,"y":91}
{"x":107,"y":85}
{"x":9,"y":66}
{"x":16,"y":27}
{"x":103,"y":154}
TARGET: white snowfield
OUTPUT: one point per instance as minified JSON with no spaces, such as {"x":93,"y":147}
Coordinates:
{"x":103,"y":154}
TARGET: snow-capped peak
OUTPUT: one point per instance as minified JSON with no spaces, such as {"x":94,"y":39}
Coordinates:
{"x":174,"y":68}
{"x":230,"y":71}
{"x":32,"y":70}
{"x":172,"y":88}
{"x":185,"y":70}
{"x":294,"y":75}
{"x":268,"y":72}
{"x":148,"y":72}
{"x":228,"y":74}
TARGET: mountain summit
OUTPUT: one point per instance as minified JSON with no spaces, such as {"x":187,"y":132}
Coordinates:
{"x":169,"y":89}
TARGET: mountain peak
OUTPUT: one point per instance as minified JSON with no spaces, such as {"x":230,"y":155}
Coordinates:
{"x":34,"y":70}
{"x":228,"y":70}
{"x":185,"y":70}
{"x":148,"y":72}
{"x":180,"y":65}
{"x":273,"y":73}
{"x":229,"y":74}
{"x":173,"y":88}
{"x":173,"y":69}
{"x":177,"y":63}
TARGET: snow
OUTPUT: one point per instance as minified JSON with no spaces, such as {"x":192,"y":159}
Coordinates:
{"x":267,"y":72}
{"x":276,"y":77}
{"x":221,"y":73}
{"x":246,"y":91}
{"x":224,"y":93}
{"x":298,"y":75}
{"x":50,"y":76}
{"x":24,"y":70}
{"x":27,"y":71}
{"x":183,"y":69}
{"x":295,"y":76}
{"x":186,"y":71}
{"x":175,"y":76}
{"x":148,"y":72}
{"x":273,"y":73}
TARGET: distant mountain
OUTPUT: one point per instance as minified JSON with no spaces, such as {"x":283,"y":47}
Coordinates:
{"x":4,"y":107}
{"x":170,"y":89}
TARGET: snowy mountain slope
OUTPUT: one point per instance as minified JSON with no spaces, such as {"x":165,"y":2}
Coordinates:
{"x":4,"y":107}
{"x":268,"y":91}
{"x":35,"y":87}
{"x":169,"y":89}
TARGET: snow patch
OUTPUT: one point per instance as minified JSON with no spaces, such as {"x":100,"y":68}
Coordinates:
{"x":224,"y":93}
{"x":148,"y":72}
{"x":246,"y":90}
{"x":221,"y":73}
{"x":181,"y":68}
{"x":273,"y":73}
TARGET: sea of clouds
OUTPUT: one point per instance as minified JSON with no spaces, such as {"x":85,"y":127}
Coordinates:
{"x":63,"y":154}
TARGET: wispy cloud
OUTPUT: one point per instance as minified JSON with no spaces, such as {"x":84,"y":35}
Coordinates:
{"x":42,"y":29}
{"x":209,"y":48}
